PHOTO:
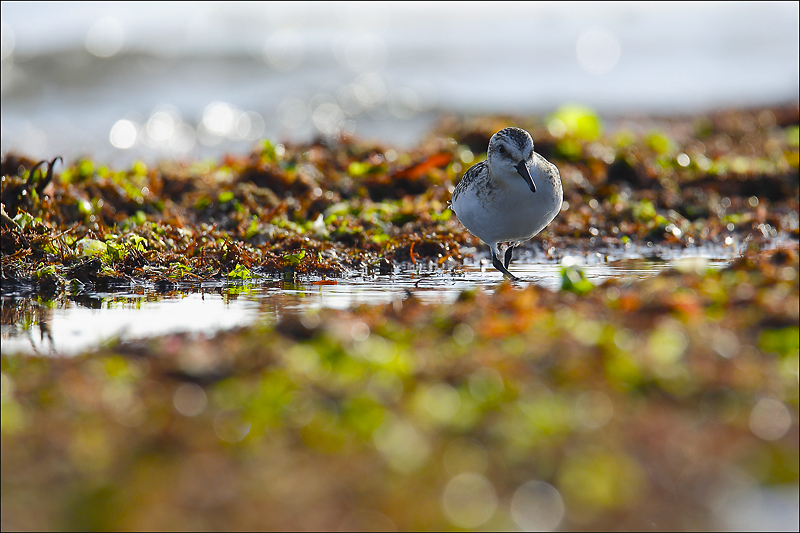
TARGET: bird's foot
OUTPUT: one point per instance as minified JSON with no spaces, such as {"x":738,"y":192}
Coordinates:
{"x":502,"y":268}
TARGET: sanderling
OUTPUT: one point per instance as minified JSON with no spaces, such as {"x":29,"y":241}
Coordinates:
{"x":510,"y":197}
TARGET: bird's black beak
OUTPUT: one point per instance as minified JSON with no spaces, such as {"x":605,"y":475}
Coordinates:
{"x":522,"y":168}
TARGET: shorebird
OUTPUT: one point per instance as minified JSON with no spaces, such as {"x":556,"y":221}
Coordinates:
{"x":510,"y":197}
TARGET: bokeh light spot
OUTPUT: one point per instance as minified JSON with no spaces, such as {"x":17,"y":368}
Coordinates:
{"x":469,"y":500}
{"x":463,"y":334}
{"x":161,"y":126}
{"x":250,"y":126}
{"x":219,"y":118}
{"x":402,"y":445}
{"x":403,"y":103}
{"x":373,"y":87}
{"x":229,"y":427}
{"x":359,"y":332}
{"x":598,"y":51}
{"x":328,"y":118}
{"x":105,"y":38}
{"x":190,"y":399}
{"x":537,"y":506}
{"x":292,"y":113}
{"x":593,"y":409}
{"x":486,"y":384}
{"x":124,"y":134}
{"x":442,"y":401}
{"x":770,"y":419}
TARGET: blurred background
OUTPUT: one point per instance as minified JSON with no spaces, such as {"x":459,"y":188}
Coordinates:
{"x":124,"y":81}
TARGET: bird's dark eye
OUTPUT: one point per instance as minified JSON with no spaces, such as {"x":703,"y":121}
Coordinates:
{"x":501,"y":149}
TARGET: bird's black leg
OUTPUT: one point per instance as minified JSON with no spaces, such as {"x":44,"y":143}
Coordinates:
{"x":507,"y":260}
{"x":499,"y":266}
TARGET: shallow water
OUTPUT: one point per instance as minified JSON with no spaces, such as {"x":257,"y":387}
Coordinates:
{"x":77,"y":322}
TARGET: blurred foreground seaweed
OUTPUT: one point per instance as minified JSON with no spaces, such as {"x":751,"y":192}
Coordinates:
{"x":653,"y":404}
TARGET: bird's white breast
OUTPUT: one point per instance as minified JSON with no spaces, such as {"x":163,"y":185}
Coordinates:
{"x":505,"y":210}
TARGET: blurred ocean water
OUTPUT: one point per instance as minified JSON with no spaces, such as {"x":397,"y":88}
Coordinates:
{"x":121,"y":81}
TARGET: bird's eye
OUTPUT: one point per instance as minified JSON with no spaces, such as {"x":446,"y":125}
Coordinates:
{"x":501,"y":149}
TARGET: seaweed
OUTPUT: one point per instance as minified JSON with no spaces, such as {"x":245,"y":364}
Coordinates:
{"x":660,"y":403}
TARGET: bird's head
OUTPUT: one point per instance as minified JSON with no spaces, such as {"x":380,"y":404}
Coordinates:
{"x":511,"y":151}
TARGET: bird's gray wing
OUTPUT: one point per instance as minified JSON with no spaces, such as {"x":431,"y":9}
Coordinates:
{"x":469,"y":177}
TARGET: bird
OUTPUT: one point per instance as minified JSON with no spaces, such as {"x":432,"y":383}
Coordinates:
{"x":509,"y":197}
